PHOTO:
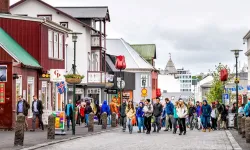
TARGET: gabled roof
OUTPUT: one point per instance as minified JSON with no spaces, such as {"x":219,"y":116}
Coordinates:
{"x":16,"y":51}
{"x":147,"y":51}
{"x":57,"y":10}
{"x":94,"y":12}
{"x":133,"y":60}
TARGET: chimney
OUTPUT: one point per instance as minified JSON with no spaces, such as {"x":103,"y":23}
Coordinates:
{"x":4,"y":6}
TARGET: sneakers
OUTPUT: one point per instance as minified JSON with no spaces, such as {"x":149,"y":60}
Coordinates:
{"x":166,"y":130}
{"x":209,"y":129}
{"x":147,"y":132}
{"x":139,"y":131}
{"x":154,"y":131}
{"x":204,"y":130}
{"x":180,"y":133}
{"x":184,"y":133}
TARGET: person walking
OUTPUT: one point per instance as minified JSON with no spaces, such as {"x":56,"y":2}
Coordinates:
{"x":148,"y":110}
{"x":191,"y":112}
{"x":130,"y":113}
{"x":69,"y":113}
{"x":123,"y":115}
{"x":220,"y":110}
{"x":81,"y":113}
{"x":169,"y":109}
{"x":176,"y":106}
{"x":182,"y":112}
{"x":157,"y":110}
{"x":247,"y":109}
{"x":241,"y":110}
{"x":140,"y":116}
{"x":37,"y":110}
{"x":206,"y":113}
{"x":22,"y":108}
{"x":88,"y":110}
{"x":213,"y":117}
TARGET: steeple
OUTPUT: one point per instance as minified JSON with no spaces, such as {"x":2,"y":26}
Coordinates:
{"x":170,"y":68}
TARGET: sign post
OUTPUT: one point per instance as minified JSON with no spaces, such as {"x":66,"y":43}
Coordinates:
{"x":226,"y":98}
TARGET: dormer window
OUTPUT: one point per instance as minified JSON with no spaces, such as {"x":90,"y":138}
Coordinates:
{"x":64,"y":24}
{"x":48,"y":17}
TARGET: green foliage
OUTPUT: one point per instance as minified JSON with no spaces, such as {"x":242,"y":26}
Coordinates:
{"x":198,"y":78}
{"x":217,"y":88}
{"x":77,"y":76}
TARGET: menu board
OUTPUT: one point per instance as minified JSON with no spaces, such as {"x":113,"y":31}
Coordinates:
{"x":2,"y":93}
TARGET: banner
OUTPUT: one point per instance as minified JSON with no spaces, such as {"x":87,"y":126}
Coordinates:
{"x":59,"y":119}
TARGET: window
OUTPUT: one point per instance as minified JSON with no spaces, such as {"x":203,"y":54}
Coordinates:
{"x":48,"y":17}
{"x":144,"y":80}
{"x":64,"y":24}
{"x":94,"y":61}
{"x":30,"y":92}
{"x":55,"y":45}
{"x":60,"y":46}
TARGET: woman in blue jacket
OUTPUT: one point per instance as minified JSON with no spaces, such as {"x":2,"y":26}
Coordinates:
{"x":140,"y":116}
{"x":206,"y":113}
{"x":105,"y":109}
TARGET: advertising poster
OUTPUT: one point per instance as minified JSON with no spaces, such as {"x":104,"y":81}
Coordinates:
{"x":3,"y":73}
{"x":59,"y":119}
{"x":2,"y":93}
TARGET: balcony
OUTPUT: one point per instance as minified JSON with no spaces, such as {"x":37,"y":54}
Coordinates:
{"x":96,"y":77}
{"x":97,"y":41}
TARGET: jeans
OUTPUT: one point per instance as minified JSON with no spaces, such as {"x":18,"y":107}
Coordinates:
{"x":35,"y":115}
{"x":69,"y":118}
{"x":190,"y":121}
{"x":157,"y":123}
{"x":140,"y":123}
{"x":123,"y":122}
{"x":169,"y":121}
{"x":130,"y":126}
{"x":219,"y":121}
{"x":182,"y":124}
{"x":206,"y":123}
{"x":87,"y":119}
{"x":175,"y":124}
{"x":147,"y":122}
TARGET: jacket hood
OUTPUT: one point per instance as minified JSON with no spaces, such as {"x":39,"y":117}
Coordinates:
{"x":104,"y":102}
{"x":205,"y":101}
{"x":141,"y":103}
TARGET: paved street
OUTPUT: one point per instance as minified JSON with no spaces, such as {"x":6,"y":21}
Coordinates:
{"x":117,"y":140}
{"x":38,"y":137}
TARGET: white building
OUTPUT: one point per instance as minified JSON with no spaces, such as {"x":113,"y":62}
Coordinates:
{"x":168,"y":83}
{"x":90,"y":46}
{"x":185,"y":78}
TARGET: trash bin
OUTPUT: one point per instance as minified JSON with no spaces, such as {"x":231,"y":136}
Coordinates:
{"x":231,"y":120}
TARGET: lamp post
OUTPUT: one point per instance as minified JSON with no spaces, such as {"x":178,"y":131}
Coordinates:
{"x":74,"y":39}
{"x":236,"y":54}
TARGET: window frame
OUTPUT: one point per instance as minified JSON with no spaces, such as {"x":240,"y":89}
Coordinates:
{"x":59,"y":45}
{"x":45,"y":15}
{"x":67,"y":24}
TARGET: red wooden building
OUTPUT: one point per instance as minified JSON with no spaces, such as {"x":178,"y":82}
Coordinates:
{"x":31,"y":47}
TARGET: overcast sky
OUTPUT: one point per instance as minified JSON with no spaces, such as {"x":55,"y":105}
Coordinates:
{"x":199,"y":34}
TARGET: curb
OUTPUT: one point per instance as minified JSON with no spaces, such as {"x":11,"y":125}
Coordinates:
{"x":65,"y":140}
{"x":233,"y":142}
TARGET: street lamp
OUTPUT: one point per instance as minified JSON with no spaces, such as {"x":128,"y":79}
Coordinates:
{"x":236,"y":53}
{"x":74,"y":39}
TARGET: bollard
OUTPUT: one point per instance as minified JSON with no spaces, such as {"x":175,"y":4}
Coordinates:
{"x":239,"y":124}
{"x":91,"y":123}
{"x":51,"y":127}
{"x":243,"y":119}
{"x":247,"y":129}
{"x":113,"y":120}
{"x":104,"y":120}
{"x":19,"y":130}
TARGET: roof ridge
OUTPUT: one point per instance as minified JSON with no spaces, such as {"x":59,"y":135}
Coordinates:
{"x":81,"y":7}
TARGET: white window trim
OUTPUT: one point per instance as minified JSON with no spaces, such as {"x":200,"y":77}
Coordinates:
{"x":32,"y":93}
{"x":54,"y":43}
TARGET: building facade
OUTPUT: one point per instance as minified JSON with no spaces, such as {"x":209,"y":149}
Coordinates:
{"x":185,"y":78}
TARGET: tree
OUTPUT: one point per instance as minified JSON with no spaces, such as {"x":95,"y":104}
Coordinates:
{"x":217,"y":88}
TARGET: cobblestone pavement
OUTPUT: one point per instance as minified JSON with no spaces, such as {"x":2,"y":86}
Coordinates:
{"x":38,"y":137}
{"x":241,"y":141}
{"x":118,"y":140}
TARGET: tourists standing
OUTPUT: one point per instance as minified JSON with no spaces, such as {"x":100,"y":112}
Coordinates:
{"x":69,"y":113}
{"x":37,"y":110}
{"x":88,"y":110}
{"x":157,"y":110}
{"x":130,"y":113}
{"x":191,"y":112}
{"x":22,"y":108}
{"x":169,"y":109}
{"x":140,"y":117}
{"x":213,"y":117}
{"x":182,"y":112}
{"x":220,"y":110}
{"x":176,"y":106}
{"x":123,"y":115}
{"x":148,"y":110}
{"x":206,"y":113}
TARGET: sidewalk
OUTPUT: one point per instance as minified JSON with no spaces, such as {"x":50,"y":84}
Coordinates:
{"x":241,"y":141}
{"x":39,"y":137}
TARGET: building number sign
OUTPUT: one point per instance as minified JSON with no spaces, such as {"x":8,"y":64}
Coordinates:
{"x":2,"y":93}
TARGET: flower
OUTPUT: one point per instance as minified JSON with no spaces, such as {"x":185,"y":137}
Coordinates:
{"x":76,"y":76}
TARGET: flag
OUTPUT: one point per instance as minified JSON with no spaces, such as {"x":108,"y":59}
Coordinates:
{"x":61,"y":87}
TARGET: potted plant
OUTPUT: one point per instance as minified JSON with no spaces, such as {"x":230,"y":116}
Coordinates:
{"x":73,"y":78}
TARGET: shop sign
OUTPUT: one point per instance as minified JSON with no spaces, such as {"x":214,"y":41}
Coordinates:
{"x":144,"y":92}
{"x":78,"y":90}
{"x":45,"y":116}
{"x":3,"y":73}
{"x":94,"y":91}
{"x":2,"y":93}
{"x":57,"y":75}
{"x":111,"y":91}
{"x":44,"y":84}
{"x":59,"y":119}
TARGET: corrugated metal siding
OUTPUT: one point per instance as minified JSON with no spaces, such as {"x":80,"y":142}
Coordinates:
{"x":4,"y":56}
{"x":47,"y":63}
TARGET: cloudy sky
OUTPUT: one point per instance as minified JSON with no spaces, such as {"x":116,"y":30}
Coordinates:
{"x":198,"y":34}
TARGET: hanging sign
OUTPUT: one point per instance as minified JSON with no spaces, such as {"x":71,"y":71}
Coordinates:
{"x":2,"y":93}
{"x":57,"y":75}
{"x":144,"y":92}
{"x":59,"y":119}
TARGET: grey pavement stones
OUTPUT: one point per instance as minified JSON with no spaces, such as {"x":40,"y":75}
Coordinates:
{"x":234,"y":144}
{"x":241,"y":141}
{"x":118,"y":140}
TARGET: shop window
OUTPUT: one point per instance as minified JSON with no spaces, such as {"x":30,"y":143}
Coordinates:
{"x":94,"y":61}
{"x":30,"y":92}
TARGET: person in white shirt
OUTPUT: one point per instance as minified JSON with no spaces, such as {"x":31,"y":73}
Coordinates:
{"x":213,"y":117}
{"x":182,"y":113}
